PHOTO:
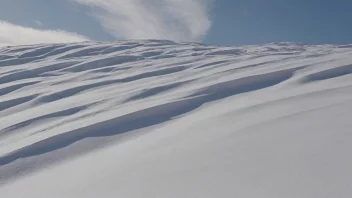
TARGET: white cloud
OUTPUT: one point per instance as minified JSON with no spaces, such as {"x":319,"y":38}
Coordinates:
{"x":38,"y":23}
{"x":180,"y":20}
{"x":11,"y":34}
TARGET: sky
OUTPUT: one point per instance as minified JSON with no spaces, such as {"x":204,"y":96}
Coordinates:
{"x":220,"y":22}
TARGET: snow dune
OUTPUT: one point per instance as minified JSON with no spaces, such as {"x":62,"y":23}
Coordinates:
{"x":156,"y":118}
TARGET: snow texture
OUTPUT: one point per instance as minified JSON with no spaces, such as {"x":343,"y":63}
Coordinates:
{"x":154,"y":118}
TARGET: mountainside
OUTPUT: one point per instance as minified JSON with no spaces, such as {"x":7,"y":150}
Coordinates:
{"x":156,"y":118}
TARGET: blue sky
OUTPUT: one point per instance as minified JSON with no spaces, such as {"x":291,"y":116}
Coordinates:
{"x":224,"y":22}
{"x":262,"y":21}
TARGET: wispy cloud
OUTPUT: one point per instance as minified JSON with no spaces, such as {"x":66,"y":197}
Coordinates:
{"x":38,"y":23}
{"x":180,"y":20}
{"x":11,"y":34}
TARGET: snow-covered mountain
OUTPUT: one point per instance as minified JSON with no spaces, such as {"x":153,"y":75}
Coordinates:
{"x":147,"y":119}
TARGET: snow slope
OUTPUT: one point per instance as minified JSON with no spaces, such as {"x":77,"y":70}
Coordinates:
{"x":161,"y":119}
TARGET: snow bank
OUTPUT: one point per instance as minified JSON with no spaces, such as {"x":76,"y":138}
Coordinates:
{"x":162,"y":119}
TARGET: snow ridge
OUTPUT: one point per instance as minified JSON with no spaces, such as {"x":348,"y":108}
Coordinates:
{"x":63,"y":106}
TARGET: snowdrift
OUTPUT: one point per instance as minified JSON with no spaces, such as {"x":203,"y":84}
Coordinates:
{"x":156,"y":118}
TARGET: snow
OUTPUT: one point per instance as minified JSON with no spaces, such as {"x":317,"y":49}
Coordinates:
{"x":154,"y":118}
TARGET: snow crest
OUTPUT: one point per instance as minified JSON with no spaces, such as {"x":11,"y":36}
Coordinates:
{"x":155,"y":118}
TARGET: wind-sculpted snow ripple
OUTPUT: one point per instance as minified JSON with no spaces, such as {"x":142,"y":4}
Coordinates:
{"x":61,"y":102}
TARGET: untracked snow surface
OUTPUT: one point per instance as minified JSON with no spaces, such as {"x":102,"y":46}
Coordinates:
{"x":157,"y":119}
